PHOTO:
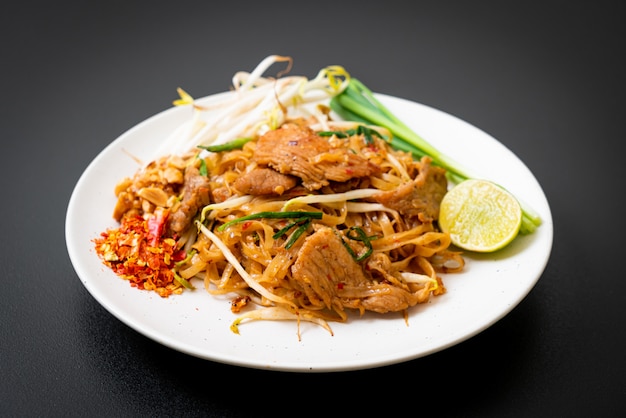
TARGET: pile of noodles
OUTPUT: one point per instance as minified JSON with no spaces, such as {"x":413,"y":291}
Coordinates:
{"x":232,"y":252}
{"x":229,"y":249}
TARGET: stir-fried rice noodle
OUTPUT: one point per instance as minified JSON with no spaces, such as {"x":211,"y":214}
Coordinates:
{"x":309,"y":220}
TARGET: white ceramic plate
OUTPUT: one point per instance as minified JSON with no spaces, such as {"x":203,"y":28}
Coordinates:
{"x":198,"y":324}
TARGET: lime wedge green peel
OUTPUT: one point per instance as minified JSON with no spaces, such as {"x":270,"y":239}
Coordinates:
{"x":480,"y":216}
{"x":357,"y":103}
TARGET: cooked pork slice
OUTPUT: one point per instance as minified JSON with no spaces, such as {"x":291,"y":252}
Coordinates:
{"x":324,"y":266}
{"x":330,"y":277}
{"x":297,"y":150}
{"x":264,"y":181}
{"x":384,"y":298}
{"x":195,"y":195}
{"x":422,"y":196}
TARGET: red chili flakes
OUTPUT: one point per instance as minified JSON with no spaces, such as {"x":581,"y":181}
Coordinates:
{"x":138,"y":252}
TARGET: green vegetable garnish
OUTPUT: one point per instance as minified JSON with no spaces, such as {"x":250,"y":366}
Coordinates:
{"x":204,"y":171}
{"x":294,"y":237}
{"x":227,"y":146}
{"x":286,"y":229}
{"x":273,"y":215}
{"x":183,"y":281}
{"x":368,"y":133}
{"x":356,"y":233}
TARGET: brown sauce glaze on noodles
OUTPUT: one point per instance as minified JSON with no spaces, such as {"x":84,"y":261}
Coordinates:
{"x":299,"y":224}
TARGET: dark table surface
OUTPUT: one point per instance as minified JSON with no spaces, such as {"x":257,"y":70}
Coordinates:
{"x":544,"y":78}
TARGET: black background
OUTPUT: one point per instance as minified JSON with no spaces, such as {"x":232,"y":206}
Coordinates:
{"x":544,"y":78}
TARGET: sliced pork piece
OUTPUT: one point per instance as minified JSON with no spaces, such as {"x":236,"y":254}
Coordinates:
{"x":195,"y":193}
{"x":297,"y":150}
{"x":330,"y":277}
{"x":264,"y":181}
{"x":421,"y":197}
{"x":324,"y":266}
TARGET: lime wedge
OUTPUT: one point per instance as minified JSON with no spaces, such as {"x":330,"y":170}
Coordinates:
{"x":480,"y":216}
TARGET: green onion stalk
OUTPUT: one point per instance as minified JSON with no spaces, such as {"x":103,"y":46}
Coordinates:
{"x":357,"y":103}
{"x":273,"y":215}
